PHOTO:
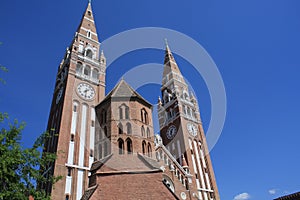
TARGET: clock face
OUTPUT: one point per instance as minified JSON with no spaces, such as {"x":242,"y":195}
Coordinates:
{"x":86,"y":91}
{"x":59,"y":95}
{"x":171,"y":132}
{"x":192,"y":129}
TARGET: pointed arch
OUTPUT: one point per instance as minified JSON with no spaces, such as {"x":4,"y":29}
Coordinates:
{"x":149,"y":150}
{"x":126,"y":112}
{"x":144,"y":116}
{"x":129,"y":130}
{"x":148,"y":132}
{"x":143,"y":131}
{"x":87,"y":70}
{"x":144,"y":147}
{"x":121,"y":146}
{"x":129,"y":146}
{"x":79,"y":68}
{"x":120,"y":128}
{"x":89,"y":53}
{"x":95,"y":74}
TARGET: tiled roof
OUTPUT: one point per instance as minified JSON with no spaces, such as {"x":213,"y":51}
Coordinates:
{"x":99,"y":163}
{"x":89,"y":193}
{"x":153,"y":164}
{"x":294,"y":196}
{"x":125,"y":163}
{"x":124,"y":90}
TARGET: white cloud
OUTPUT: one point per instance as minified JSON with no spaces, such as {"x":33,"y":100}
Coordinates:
{"x":272,"y":191}
{"x":242,"y":196}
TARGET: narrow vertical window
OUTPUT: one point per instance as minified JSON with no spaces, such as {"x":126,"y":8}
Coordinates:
{"x":149,"y":150}
{"x":126,"y":112}
{"x":120,"y":128}
{"x":75,"y":108}
{"x":79,"y":68}
{"x":87,"y":71}
{"x":120,"y":113}
{"x":128,"y":128}
{"x":148,"y":133}
{"x":143,"y":131}
{"x":69,"y":171}
{"x":129,"y":146}
{"x":121,"y":146}
{"x":95,"y":74}
{"x":144,"y":147}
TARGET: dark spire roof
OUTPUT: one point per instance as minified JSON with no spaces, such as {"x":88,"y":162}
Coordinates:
{"x":124,"y":90}
{"x":169,"y":62}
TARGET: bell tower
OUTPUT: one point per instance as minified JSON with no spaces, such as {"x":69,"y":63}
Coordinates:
{"x":182,"y":132}
{"x":79,"y":87}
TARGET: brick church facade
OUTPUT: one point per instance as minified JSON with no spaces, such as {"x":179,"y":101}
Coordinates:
{"x":105,"y":144}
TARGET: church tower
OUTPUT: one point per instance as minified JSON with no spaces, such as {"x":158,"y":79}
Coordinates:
{"x":182,"y":132}
{"x":79,"y":87}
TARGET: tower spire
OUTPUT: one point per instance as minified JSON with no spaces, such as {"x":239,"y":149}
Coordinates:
{"x":170,"y":65}
{"x":87,"y":25}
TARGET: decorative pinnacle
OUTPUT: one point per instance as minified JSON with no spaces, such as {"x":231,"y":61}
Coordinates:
{"x":90,"y":1}
{"x":166,"y":42}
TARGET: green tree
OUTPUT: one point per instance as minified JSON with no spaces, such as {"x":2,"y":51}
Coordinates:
{"x":20,"y":167}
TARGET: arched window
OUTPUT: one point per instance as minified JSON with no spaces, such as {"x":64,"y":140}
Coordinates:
{"x":87,"y":70}
{"x":126,"y":112}
{"x":149,"y":150}
{"x":121,"y":146}
{"x":89,"y":53}
{"x":185,"y":109}
{"x":128,"y":128}
{"x":144,"y":116}
{"x":129,"y":146}
{"x":79,"y":68}
{"x":120,"y":128}
{"x":143,"y":131}
{"x":120,"y":113}
{"x":123,"y":108}
{"x":95,"y":74}
{"x":105,"y":149}
{"x":144,"y":147}
{"x":148,"y":133}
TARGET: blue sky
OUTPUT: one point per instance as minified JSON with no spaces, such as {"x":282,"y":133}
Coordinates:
{"x":255,"y":45}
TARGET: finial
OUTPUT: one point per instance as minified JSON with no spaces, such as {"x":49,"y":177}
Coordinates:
{"x":166,"y":42}
{"x":90,"y":1}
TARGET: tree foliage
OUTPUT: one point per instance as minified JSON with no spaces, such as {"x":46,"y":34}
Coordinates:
{"x":20,"y":167}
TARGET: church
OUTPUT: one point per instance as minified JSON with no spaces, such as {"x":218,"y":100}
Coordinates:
{"x":105,"y":143}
